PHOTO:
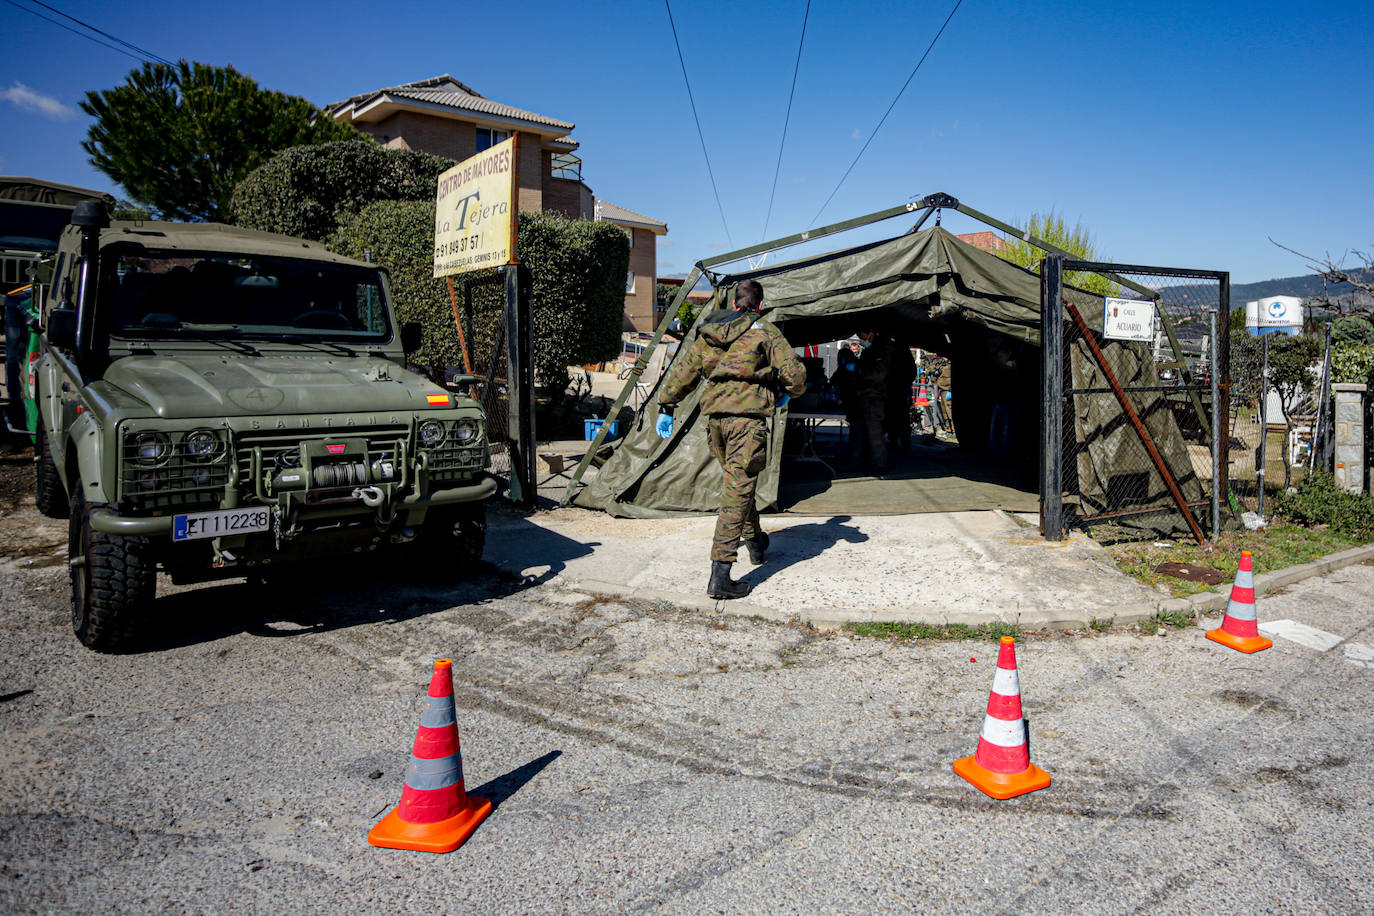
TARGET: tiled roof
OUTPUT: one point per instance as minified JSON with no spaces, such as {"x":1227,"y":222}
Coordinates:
{"x":613,"y":214}
{"x":449,"y":93}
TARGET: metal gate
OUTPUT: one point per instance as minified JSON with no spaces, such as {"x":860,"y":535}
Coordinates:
{"x":1131,"y":434}
{"x":494,"y":319}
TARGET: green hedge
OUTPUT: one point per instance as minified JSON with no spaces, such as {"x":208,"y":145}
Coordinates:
{"x":307,"y":191}
{"x":1317,"y":500}
{"x":578,"y":268}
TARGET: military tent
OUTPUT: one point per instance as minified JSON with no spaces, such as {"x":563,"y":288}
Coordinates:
{"x":928,"y":289}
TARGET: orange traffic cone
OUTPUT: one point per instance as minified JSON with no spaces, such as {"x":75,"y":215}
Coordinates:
{"x":1001,"y":767}
{"x":435,"y":814}
{"x":923,"y":397}
{"x":1239,"y":628}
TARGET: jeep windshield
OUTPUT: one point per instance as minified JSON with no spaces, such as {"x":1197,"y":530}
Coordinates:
{"x":177,"y":294}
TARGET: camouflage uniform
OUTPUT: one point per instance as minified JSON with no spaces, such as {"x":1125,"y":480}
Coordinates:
{"x":868,"y":425}
{"x":902,"y":371}
{"x":744,"y":360}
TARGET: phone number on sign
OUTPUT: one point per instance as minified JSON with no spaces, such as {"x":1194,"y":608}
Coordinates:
{"x":460,"y":245}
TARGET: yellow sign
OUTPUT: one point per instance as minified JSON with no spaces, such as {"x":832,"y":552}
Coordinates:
{"x":474,"y":212}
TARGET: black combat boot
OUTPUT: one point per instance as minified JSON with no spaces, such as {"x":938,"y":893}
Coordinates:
{"x":721,"y":585}
{"x":756,"y":547}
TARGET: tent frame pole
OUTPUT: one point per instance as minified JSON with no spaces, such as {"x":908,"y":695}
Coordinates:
{"x":641,"y":363}
{"x":1052,"y":397}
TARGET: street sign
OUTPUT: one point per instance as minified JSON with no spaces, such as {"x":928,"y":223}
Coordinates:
{"x":1128,"y":319}
{"x":474,"y":211}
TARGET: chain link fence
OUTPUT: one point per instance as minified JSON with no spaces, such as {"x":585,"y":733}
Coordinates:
{"x":1138,"y":455}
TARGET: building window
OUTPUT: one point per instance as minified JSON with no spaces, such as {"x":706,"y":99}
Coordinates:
{"x":487,"y":137}
{"x":629,"y":282}
{"x":566,"y":165}
{"x":631,"y":233}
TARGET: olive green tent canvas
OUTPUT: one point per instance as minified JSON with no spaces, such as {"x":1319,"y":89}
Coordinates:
{"x":928,"y":289}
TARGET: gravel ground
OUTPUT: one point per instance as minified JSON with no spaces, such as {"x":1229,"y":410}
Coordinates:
{"x":644,"y":757}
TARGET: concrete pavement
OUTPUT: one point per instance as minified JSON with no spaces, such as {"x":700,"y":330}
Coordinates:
{"x":937,"y":568}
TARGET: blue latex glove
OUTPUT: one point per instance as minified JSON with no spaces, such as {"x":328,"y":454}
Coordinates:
{"x":665,"y":426}
{"x":782,"y":401}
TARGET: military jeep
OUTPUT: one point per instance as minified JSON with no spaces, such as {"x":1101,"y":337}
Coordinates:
{"x":221,"y":402}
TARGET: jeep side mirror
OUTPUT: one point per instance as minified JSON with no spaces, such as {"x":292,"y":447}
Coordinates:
{"x":62,"y":328}
{"x":412,"y":336}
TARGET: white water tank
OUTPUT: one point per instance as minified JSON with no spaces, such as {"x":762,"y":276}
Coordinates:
{"x":1274,"y":315}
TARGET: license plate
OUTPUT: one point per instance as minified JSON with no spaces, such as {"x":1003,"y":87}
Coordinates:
{"x":196,"y":525}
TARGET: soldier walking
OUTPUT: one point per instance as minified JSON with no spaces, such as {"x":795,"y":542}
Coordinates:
{"x":750,"y":370}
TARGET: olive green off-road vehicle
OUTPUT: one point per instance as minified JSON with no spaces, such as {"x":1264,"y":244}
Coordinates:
{"x":222,"y":402}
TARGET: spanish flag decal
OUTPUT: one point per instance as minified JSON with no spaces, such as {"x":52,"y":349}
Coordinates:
{"x":437,"y":400}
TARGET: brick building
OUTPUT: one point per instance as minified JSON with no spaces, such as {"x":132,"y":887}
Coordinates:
{"x":451,"y":119}
{"x":642,"y":281}
{"x":988,"y":241}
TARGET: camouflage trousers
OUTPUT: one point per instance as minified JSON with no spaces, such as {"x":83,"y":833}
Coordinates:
{"x":867,"y":427}
{"x":740,"y":445}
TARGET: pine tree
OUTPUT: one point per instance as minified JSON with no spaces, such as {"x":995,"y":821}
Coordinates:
{"x":178,"y":138}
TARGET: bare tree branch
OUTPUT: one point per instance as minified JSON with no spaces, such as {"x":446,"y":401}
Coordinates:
{"x":1361,"y":279}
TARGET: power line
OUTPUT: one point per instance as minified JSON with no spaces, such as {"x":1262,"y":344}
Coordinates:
{"x":700,"y":135}
{"x":815,"y":218}
{"x":61,"y":25}
{"x":146,"y":54}
{"x":785,"y":121}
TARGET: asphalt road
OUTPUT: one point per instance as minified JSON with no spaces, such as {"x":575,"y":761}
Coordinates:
{"x":648,"y":758}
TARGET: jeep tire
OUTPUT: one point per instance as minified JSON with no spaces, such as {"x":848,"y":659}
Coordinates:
{"x":455,"y":537}
{"x":48,"y":494}
{"x":113,"y":580}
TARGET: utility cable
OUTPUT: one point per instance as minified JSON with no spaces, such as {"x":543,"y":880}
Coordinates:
{"x":62,"y":25}
{"x":785,"y":121}
{"x":929,"y":48}
{"x":147,"y":55}
{"x":700,"y":135}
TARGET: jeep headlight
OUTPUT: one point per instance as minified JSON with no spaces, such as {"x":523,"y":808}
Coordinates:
{"x":465,"y":431}
{"x":202,"y":445}
{"x":152,"y":448}
{"x":431,"y":433}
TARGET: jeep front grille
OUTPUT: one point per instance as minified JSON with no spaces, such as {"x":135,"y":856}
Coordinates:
{"x":278,"y":445}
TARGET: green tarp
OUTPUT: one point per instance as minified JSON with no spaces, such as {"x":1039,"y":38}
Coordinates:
{"x":930,"y":290}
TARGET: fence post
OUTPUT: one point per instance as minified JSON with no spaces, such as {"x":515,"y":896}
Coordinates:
{"x":1052,"y":399}
{"x":1264,"y":425}
{"x":520,"y":372}
{"x":1213,"y":372}
{"x":1349,"y":428}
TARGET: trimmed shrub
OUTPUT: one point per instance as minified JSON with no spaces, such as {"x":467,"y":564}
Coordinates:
{"x":308,"y":191}
{"x":1319,"y":501}
{"x":578,"y":271}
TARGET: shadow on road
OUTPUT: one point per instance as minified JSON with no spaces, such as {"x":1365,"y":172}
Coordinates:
{"x":503,"y":787}
{"x":799,"y":543}
{"x":389,"y":586}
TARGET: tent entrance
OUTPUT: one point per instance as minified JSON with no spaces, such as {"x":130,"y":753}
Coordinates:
{"x":988,"y":464}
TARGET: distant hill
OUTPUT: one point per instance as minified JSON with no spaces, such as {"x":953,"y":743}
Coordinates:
{"x":1303,"y":287}
{"x":1186,"y":297}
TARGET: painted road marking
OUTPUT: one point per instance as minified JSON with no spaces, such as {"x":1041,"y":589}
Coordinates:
{"x":1357,"y":653}
{"x":1301,"y":634}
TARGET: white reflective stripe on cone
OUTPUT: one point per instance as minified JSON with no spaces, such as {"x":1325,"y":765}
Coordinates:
{"x":1004,"y":734}
{"x":1240,"y":611}
{"x":1245,"y":578}
{"x":1006,"y":682}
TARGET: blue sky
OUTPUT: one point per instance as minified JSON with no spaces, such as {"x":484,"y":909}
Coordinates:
{"x":1180,"y":134}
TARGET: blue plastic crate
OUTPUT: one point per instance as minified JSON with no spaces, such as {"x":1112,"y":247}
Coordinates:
{"x":589,"y":428}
